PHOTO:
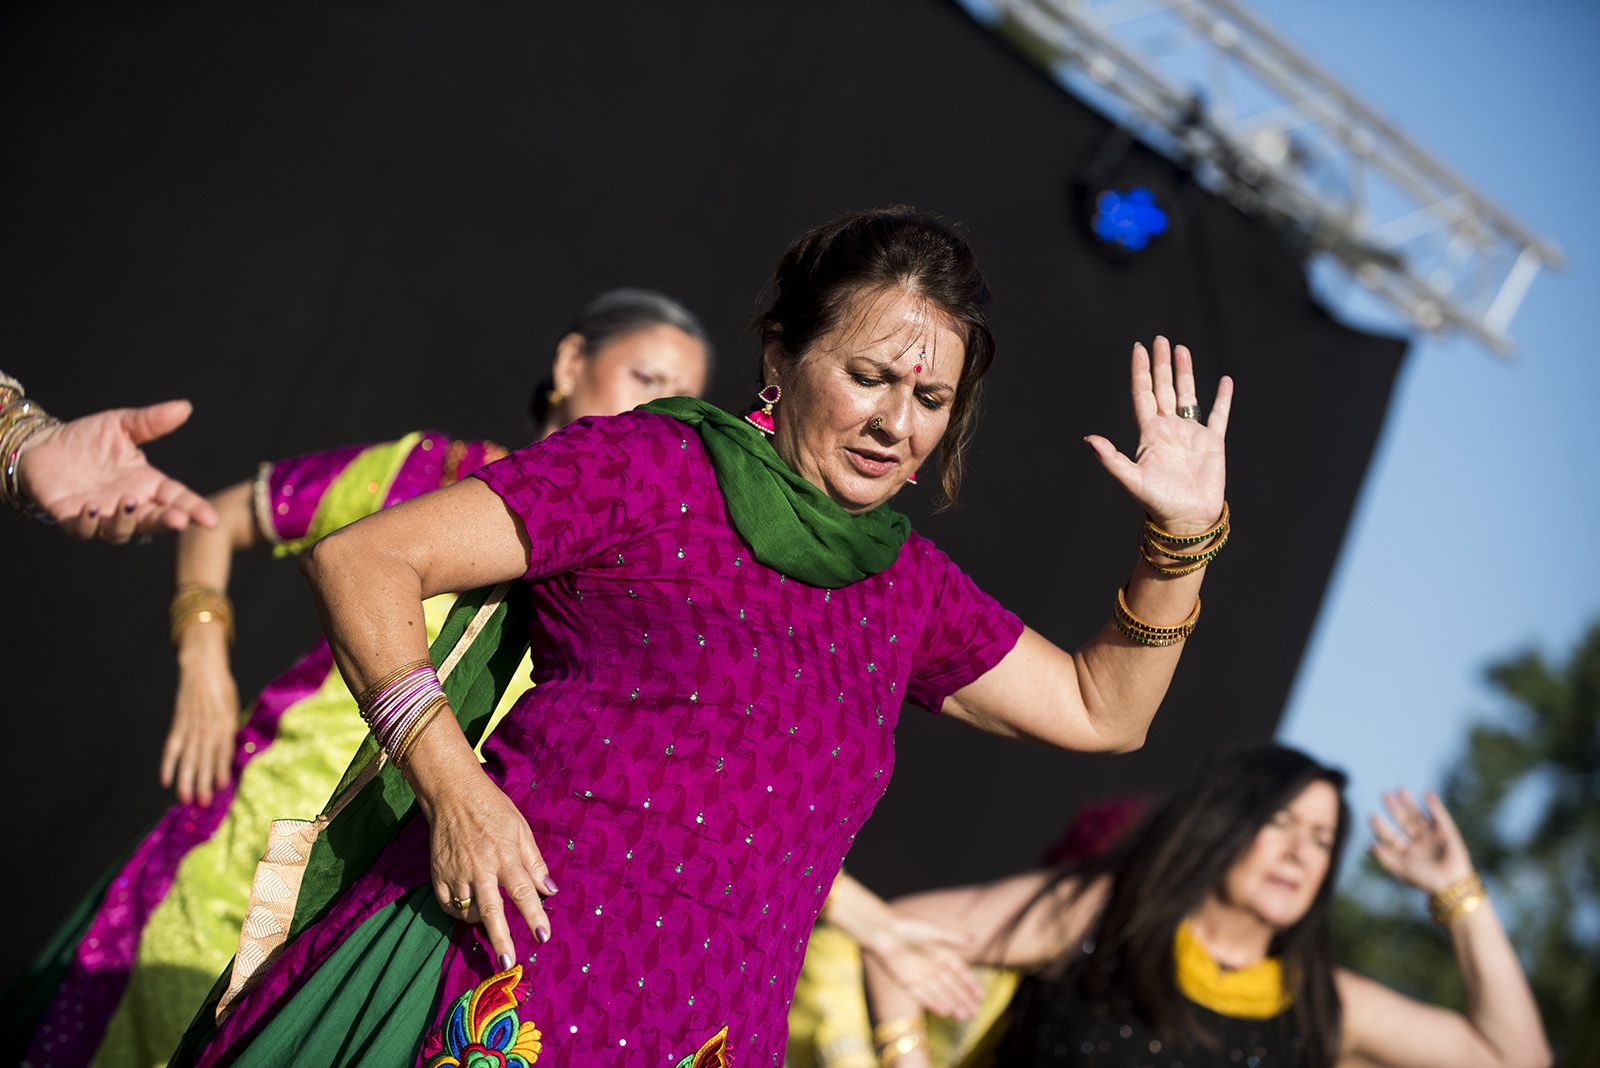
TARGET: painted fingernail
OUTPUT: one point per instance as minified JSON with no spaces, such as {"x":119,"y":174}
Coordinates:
{"x":550,"y":884}
{"x":128,"y":508}
{"x":504,"y":960}
{"x":93,"y":512}
{"x":542,"y":933}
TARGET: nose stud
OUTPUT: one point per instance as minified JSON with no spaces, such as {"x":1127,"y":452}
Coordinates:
{"x":877,"y":423}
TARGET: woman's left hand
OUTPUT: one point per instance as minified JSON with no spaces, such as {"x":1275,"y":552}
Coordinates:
{"x":1178,"y":473}
{"x":1421,"y":848}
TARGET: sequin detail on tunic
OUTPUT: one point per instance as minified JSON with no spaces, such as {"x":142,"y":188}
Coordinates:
{"x":483,"y":1029}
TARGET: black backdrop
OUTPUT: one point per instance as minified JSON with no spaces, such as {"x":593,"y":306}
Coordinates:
{"x":327,"y":225}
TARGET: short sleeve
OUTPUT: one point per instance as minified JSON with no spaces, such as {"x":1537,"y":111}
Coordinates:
{"x":584,"y":493}
{"x":966,"y":632}
{"x":300,"y":500}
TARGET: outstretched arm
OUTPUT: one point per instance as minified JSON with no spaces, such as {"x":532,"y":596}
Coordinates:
{"x":1103,"y":697}
{"x":89,"y":474}
{"x":1006,"y":924}
{"x":1501,"y":1028}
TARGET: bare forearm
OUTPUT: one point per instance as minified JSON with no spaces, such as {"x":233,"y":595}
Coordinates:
{"x":1121,"y":682}
{"x":1499,"y":1002}
{"x":892,"y":1003}
{"x":370,"y":604}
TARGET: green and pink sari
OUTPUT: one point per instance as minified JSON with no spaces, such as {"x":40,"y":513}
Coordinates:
{"x":125,"y":977}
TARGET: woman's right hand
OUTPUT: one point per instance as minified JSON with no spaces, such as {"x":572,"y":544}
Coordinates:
{"x":481,"y":842}
{"x":198,"y":755}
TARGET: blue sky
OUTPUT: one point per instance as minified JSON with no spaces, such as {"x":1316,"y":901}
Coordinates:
{"x":1469,"y":541}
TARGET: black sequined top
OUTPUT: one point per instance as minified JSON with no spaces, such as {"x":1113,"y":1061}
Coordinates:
{"x":1052,"y":1024}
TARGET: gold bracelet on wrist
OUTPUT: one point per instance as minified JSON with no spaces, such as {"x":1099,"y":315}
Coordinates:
{"x":893,"y":1051}
{"x":890,"y":1030}
{"x":1137,"y":630}
{"x":196,"y":603}
{"x":1168,"y":555}
{"x":1180,"y":540}
{"x":1461,"y":898}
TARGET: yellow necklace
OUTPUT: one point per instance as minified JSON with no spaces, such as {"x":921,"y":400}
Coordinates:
{"x":1252,"y":993}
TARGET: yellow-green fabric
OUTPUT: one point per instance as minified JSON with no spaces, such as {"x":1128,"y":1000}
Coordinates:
{"x":830,"y":1027}
{"x":356,"y":492}
{"x":194,"y":932}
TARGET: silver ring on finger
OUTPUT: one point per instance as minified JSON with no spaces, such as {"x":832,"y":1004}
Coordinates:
{"x":1189,"y":411}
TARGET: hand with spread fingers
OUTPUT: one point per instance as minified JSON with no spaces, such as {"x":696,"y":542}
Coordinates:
{"x":90,"y":476}
{"x":1178,"y":472}
{"x":1420,"y":847}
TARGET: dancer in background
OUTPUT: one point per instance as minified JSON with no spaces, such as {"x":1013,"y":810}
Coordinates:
{"x":724,"y":628}
{"x":1204,"y":940}
{"x":89,"y":475}
{"x":142,"y":954}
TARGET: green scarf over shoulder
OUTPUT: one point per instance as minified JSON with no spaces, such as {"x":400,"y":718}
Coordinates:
{"x":790,"y":525}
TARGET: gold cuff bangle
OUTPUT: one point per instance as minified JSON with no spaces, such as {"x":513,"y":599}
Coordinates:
{"x":1461,"y":898}
{"x":196,"y":603}
{"x":1188,"y":539}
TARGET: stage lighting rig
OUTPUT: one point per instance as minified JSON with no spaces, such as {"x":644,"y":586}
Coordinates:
{"x":1211,"y":86}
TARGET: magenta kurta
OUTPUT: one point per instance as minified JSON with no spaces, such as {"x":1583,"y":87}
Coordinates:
{"x":704,"y":741}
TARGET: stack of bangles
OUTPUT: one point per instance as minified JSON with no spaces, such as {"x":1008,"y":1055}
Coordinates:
{"x":1461,"y":898}
{"x":399,"y":707}
{"x":895,"y":1038}
{"x":1170,"y":556}
{"x":20,"y":420}
{"x":194,"y":603}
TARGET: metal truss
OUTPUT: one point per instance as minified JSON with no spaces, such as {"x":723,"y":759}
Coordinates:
{"x":1208,"y":83}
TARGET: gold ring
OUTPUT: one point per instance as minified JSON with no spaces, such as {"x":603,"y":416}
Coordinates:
{"x":461,"y":904}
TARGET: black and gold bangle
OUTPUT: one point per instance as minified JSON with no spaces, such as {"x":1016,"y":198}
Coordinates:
{"x":1137,"y":630}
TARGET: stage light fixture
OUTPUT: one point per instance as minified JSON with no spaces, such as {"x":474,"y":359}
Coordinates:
{"x":1127,"y":219}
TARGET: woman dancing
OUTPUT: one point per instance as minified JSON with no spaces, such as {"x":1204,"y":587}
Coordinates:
{"x":129,"y":970}
{"x":724,"y":628}
{"x":1204,"y":940}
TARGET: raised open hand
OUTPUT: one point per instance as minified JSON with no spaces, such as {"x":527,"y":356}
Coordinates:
{"x":1178,"y":473}
{"x":90,"y":475}
{"x":1422,"y":848}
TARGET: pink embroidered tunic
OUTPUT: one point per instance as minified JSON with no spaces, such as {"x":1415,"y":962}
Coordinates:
{"x":705,"y":739}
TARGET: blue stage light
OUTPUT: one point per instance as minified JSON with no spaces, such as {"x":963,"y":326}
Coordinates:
{"x":1128,"y":219}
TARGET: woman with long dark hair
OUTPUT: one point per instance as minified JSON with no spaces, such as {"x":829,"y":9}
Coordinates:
{"x":1204,"y":939}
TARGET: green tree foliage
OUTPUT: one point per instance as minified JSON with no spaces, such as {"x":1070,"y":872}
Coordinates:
{"x":1526,"y":795}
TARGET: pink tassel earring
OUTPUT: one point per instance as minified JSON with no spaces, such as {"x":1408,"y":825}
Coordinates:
{"x":762,"y":420}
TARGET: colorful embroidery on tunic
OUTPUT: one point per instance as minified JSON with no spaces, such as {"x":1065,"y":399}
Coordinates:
{"x":714,"y":1054}
{"x":482,"y":1029}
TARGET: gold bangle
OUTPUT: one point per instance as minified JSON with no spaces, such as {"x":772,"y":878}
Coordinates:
{"x":371,"y":692}
{"x":892,"y":1030}
{"x":1203,"y":556}
{"x":1188,"y":539}
{"x":1137,"y":630}
{"x":402,"y":749}
{"x":1460,"y":898}
{"x":1153,"y":553}
{"x":1465,"y":907}
{"x":893,"y":1051}
{"x":196,"y":603}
